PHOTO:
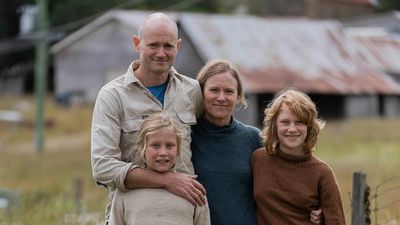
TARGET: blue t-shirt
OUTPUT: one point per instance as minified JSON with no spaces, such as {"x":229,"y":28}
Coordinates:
{"x":159,"y":91}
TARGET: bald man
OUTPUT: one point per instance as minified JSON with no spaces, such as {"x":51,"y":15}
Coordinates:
{"x":150,"y":85}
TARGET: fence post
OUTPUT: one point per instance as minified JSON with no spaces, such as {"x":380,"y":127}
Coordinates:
{"x":357,"y":200}
{"x":78,"y":194}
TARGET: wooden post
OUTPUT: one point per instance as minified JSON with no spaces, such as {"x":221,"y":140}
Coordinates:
{"x":357,"y":200}
{"x":78,"y":194}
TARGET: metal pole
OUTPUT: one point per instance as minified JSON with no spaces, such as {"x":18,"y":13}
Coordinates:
{"x":41,"y":62}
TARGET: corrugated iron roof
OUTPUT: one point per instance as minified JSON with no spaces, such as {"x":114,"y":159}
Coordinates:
{"x":273,"y":53}
{"x":131,"y":18}
{"x":315,"y":56}
{"x":380,"y":52}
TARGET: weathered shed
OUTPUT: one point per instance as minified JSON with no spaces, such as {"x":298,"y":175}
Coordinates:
{"x":313,"y":56}
{"x":271,"y":53}
{"x":382,"y":53}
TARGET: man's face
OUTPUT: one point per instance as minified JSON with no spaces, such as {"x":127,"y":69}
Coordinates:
{"x":158,"y":49}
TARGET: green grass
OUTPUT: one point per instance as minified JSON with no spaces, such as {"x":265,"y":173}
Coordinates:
{"x":46,"y":181}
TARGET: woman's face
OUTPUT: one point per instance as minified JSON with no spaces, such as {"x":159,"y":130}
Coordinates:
{"x":161,"y":150}
{"x":220,"y":97}
{"x":291,"y":131}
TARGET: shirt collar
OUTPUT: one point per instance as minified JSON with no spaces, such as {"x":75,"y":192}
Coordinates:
{"x":131,"y":78}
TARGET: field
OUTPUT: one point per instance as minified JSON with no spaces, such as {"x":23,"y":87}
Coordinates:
{"x":47,"y":182}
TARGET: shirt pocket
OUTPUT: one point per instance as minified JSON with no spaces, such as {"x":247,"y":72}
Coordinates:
{"x":187,"y":117}
{"x":185,"y":111}
{"x":129,"y":132}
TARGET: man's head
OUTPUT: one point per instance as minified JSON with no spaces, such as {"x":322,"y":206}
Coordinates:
{"x":157,"y":43}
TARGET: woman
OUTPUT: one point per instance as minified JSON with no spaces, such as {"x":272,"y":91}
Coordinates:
{"x":289,"y":181}
{"x":159,"y":142}
{"x":222,"y":148}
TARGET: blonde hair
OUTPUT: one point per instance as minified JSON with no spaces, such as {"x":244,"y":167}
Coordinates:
{"x":303,"y":107}
{"x":218,"y":66}
{"x":151,"y":125}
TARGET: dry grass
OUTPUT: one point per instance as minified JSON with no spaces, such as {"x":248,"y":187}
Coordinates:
{"x":46,"y":181}
{"x":368,"y":145}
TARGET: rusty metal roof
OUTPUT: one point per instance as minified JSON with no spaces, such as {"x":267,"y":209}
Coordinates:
{"x":314,"y":56}
{"x":380,"y":52}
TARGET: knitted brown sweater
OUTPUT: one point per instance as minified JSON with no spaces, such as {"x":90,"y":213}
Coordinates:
{"x":287,"y":187}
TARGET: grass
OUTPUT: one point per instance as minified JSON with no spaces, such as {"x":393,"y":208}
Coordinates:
{"x":46,"y":181}
{"x":368,"y":145}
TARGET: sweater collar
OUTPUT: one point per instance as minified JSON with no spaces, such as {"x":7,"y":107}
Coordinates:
{"x":293,"y":158}
{"x":212,"y":128}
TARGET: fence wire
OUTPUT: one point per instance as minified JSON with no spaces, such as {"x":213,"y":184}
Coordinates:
{"x":378,"y":196}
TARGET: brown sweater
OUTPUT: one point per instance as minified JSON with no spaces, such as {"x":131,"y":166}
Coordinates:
{"x":288,"y":187}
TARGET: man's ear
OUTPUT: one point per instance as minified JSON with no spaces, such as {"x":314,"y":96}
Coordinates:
{"x":136,"y":42}
{"x":179,"y":43}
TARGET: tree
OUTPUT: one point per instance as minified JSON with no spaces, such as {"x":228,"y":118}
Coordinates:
{"x":385,"y":5}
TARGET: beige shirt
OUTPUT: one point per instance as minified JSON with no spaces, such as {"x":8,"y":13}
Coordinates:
{"x":154,"y":206}
{"x":120,"y":108}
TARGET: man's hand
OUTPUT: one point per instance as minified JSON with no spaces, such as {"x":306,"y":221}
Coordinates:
{"x":186,"y":186}
{"x":316,"y":216}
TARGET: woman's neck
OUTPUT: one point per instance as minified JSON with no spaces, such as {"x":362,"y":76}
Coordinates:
{"x":218,"y":122}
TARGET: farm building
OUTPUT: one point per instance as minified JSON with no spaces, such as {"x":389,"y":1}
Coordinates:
{"x":321,"y":9}
{"x":271,"y":53}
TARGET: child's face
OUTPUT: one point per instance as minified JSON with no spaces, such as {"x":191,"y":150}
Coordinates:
{"x":161,"y":150}
{"x":291,"y":131}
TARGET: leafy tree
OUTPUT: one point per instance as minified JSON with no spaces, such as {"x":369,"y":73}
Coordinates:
{"x":75,"y":13}
{"x":385,"y":5}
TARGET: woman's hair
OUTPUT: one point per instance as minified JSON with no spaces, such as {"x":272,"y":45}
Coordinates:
{"x":303,"y":107}
{"x":218,"y":66}
{"x":151,"y":125}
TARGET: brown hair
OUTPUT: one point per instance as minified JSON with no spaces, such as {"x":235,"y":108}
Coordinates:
{"x":218,"y":66}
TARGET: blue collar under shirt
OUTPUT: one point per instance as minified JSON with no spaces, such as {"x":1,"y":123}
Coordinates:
{"x":159,"y":91}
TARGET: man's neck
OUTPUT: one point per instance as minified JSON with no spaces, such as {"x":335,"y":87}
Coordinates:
{"x":150,"y":79}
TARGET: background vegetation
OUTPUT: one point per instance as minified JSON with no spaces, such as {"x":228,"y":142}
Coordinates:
{"x":71,"y":12}
{"x":46,"y":181}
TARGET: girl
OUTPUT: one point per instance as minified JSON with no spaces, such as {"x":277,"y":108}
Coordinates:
{"x":159,"y":141}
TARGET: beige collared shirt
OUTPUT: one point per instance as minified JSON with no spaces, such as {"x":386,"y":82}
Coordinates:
{"x":120,"y":108}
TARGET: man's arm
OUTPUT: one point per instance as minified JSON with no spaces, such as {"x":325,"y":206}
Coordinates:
{"x":183,"y":185}
{"x":107,"y":167}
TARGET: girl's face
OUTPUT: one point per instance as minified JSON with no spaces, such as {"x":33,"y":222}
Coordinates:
{"x":291,"y":131}
{"x":220,"y":97}
{"x":161,"y":150}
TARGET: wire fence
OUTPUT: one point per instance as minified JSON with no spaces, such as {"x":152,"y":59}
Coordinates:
{"x":376,"y":205}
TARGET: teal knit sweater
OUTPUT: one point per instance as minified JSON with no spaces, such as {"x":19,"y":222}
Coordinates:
{"x":222,"y":161}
